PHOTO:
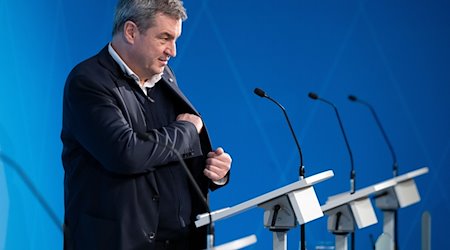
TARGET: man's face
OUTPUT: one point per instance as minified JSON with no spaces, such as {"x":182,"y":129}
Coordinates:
{"x":153,"y":48}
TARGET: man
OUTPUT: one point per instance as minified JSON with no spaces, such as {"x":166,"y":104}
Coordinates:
{"x":123,"y":113}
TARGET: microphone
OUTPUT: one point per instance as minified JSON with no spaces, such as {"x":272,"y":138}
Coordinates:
{"x":394,"y":157}
{"x":314,"y":96}
{"x":262,"y":93}
{"x":386,"y":139}
{"x":210,"y":237}
{"x":33,"y":190}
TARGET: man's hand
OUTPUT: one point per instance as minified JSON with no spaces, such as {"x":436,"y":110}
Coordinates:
{"x":218,"y":164}
{"x":197,"y":121}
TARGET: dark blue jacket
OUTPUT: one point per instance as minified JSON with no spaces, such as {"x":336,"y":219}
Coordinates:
{"x":110,"y":191}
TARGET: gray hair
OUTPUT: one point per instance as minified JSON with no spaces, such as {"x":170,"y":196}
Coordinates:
{"x":142,"y":12}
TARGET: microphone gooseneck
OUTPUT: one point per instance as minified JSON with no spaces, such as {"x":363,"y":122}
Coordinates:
{"x":314,"y":96}
{"x":261,"y":93}
{"x":147,"y":137}
{"x":391,"y":149}
{"x":383,"y":132}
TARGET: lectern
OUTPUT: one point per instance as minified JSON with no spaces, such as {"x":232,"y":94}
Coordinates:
{"x":284,"y":208}
{"x":347,"y":210}
{"x":404,"y":193}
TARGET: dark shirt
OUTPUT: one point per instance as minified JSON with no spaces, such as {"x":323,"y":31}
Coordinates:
{"x":160,"y":109}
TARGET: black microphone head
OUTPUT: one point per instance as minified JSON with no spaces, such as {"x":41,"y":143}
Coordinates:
{"x":352,"y":98}
{"x":260,"y":92}
{"x":313,"y":96}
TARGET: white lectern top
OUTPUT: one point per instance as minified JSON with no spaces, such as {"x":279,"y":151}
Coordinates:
{"x":344,"y":198}
{"x":203,"y":219}
{"x":412,"y":174}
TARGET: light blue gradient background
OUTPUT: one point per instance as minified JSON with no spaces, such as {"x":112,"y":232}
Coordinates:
{"x":393,"y":54}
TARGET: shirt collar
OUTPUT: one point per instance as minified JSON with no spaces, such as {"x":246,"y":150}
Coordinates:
{"x":149,"y":83}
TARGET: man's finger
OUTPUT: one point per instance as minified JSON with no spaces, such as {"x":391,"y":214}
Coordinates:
{"x":219,"y":151}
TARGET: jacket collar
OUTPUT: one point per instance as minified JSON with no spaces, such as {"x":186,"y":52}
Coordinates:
{"x":106,"y":60}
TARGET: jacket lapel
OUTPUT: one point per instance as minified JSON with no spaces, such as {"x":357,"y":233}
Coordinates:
{"x":171,"y":81}
{"x":130,"y":106}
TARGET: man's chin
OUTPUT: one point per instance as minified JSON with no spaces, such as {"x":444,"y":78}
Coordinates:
{"x":158,"y":71}
{"x":161,"y":69}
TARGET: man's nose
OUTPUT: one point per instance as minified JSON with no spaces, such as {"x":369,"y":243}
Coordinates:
{"x":171,"y":50}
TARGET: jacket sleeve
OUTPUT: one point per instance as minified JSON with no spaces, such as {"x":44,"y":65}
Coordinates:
{"x":96,"y":120}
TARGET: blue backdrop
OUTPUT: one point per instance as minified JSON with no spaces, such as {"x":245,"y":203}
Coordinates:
{"x":393,"y":54}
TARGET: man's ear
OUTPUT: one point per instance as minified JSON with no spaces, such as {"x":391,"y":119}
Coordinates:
{"x":130,"y":31}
